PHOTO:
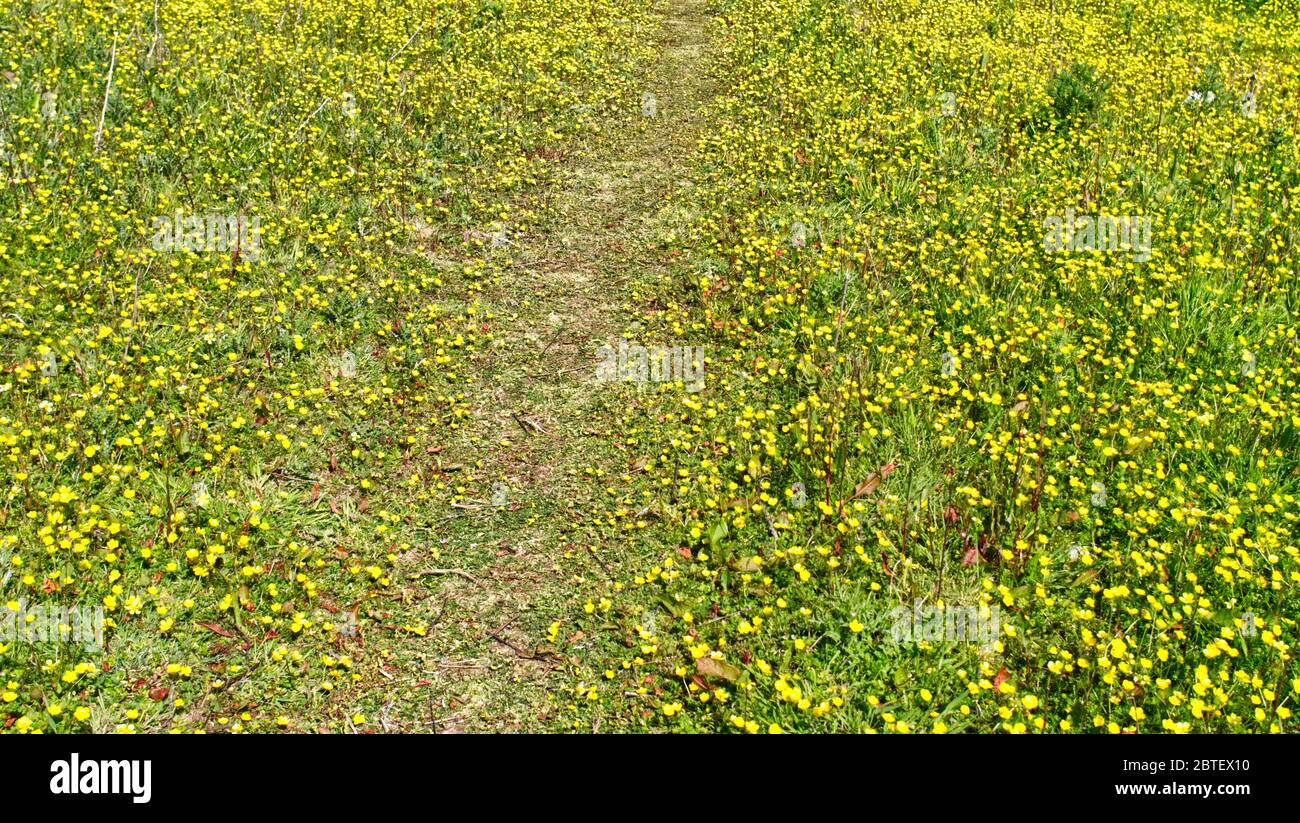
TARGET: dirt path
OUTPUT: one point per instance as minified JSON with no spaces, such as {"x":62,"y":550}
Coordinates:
{"x":543,"y":427}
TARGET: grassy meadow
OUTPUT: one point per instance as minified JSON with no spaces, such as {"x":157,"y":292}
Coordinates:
{"x":301,"y":314}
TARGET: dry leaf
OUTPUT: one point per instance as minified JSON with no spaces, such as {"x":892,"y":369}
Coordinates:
{"x":720,"y":669}
{"x":217,"y":629}
{"x":867,"y":486}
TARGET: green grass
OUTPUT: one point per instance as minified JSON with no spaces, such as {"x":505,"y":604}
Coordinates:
{"x":424,"y":513}
{"x":973,"y":487}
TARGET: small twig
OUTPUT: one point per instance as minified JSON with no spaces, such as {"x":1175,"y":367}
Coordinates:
{"x":310,"y":117}
{"x":457,"y":572}
{"x":600,"y":561}
{"x":282,"y":474}
{"x":551,"y":342}
{"x":438,"y":619}
{"x":393,"y":56}
{"x":525,"y":423}
{"x":135,"y":313}
{"x":157,"y":46}
{"x":839,"y":320}
{"x":108,"y":85}
{"x":776,"y":541}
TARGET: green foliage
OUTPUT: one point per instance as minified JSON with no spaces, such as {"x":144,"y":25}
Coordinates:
{"x":1077,"y":94}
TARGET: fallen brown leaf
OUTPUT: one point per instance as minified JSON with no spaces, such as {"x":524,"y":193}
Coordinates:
{"x":720,"y":669}
{"x":213,"y":627}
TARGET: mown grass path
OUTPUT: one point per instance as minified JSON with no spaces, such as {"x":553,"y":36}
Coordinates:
{"x":539,"y":417}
